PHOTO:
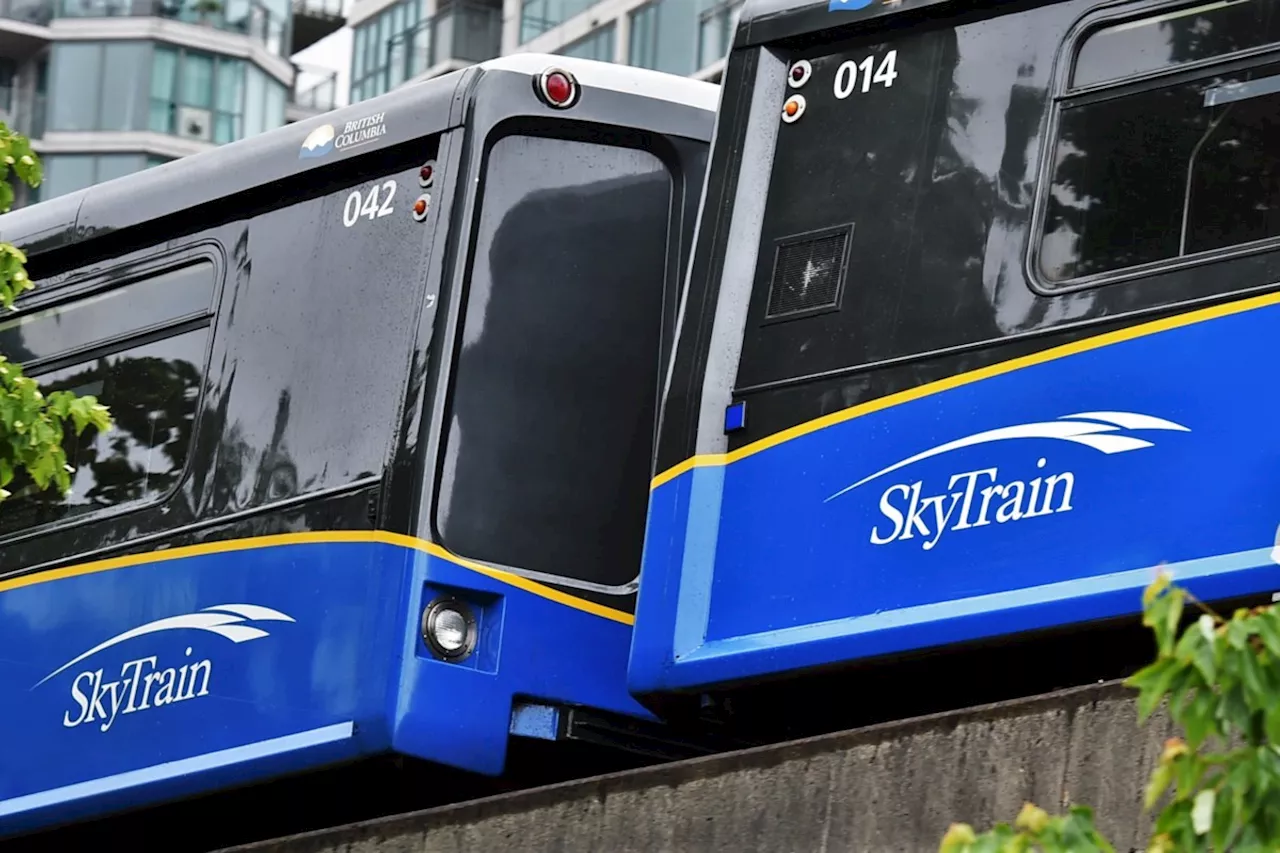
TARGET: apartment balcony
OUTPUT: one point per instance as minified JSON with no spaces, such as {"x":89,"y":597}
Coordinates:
{"x":460,"y":34}
{"x":23,"y":27}
{"x":315,"y":91}
{"x":23,"y":23}
{"x":250,"y":18}
{"x":314,"y":20}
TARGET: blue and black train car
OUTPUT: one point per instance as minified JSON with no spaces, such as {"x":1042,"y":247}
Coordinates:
{"x":970,"y":348}
{"x":384,"y":389}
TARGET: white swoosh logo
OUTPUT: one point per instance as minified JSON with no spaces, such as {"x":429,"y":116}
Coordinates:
{"x":223,"y":624}
{"x":1096,"y":435}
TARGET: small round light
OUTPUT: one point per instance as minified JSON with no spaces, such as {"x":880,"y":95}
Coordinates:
{"x":556,"y":88}
{"x":559,"y":89}
{"x":449,"y":628}
{"x":793,"y":108}
{"x":427,"y":174}
{"x":421,"y":206}
{"x":800,"y":73}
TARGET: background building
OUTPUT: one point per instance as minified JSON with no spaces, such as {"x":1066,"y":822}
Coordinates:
{"x":108,"y":87}
{"x":396,"y":41}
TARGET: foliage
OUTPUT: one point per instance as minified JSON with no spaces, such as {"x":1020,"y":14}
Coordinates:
{"x":32,"y":425}
{"x":1221,"y":783}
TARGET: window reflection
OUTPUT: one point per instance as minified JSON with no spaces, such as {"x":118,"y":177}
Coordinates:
{"x":110,"y":315}
{"x":1158,"y":174}
{"x":152,"y":391}
{"x":1175,"y":38}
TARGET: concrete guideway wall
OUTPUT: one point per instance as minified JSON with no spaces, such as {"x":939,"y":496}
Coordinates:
{"x":891,"y":787}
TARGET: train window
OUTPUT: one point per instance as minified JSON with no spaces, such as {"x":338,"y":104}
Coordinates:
{"x":1174,"y":38}
{"x":1163,"y":173}
{"x":156,"y":300}
{"x":546,"y":456}
{"x":152,"y":391}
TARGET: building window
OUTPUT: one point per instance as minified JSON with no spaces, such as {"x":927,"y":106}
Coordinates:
{"x":717,"y":22}
{"x":663,"y":36}
{"x":371,"y":52}
{"x":152,"y":387}
{"x":96,"y":86}
{"x":212,"y":98}
{"x":8,"y":69}
{"x":1173,"y":167}
{"x":598,"y":45}
{"x":398,"y":44}
{"x":538,"y":16}
{"x":66,"y":173}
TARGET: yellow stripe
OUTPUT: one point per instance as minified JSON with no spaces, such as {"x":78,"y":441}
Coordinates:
{"x":928,"y":389}
{"x":376,"y":536}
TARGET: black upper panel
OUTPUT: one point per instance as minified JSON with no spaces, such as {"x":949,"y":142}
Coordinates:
{"x":931,"y":164}
{"x":967,"y":201}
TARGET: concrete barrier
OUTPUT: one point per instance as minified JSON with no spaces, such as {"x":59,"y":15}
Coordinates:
{"x":892,"y":787}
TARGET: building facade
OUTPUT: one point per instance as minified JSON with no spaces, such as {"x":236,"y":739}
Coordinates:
{"x":396,"y":41}
{"x":104,"y":88}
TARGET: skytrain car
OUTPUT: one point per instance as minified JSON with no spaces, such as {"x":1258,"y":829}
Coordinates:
{"x":970,"y":342}
{"x":383,"y":386}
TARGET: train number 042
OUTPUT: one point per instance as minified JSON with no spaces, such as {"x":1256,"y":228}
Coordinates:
{"x":850,"y":72}
{"x":372,"y":205}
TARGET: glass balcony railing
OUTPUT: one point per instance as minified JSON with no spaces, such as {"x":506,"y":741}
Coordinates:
{"x":246,"y":17}
{"x":315,"y":89}
{"x":318,"y":8}
{"x":39,"y":12}
{"x":470,"y":32}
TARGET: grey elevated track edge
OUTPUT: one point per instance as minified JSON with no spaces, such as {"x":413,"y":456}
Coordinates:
{"x":892,"y":787}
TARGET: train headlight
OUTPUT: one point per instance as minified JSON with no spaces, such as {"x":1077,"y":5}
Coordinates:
{"x":449,"y":628}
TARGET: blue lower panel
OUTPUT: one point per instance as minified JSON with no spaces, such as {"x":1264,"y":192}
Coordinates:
{"x":1022,"y":499}
{"x":183,"y":674}
{"x":530,"y":646}
{"x":195,"y":669}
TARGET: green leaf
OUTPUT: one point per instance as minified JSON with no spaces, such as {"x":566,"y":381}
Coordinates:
{"x":1198,"y":717}
{"x":1268,"y":624}
{"x":1152,"y":683}
{"x":1160,"y":779}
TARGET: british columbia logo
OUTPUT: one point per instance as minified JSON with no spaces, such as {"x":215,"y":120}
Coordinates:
{"x":327,"y":138}
{"x":984,"y":496}
{"x":146,"y":683}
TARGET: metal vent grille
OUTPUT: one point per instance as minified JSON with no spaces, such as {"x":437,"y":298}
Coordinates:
{"x":807,"y":274}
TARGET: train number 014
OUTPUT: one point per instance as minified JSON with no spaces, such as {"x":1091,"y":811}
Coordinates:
{"x":849,"y":72}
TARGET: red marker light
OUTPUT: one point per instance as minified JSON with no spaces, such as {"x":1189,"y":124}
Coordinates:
{"x":797,"y":73}
{"x":559,"y":89}
{"x":427,"y":174}
{"x":556,"y":88}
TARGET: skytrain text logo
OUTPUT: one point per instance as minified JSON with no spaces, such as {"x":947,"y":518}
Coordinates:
{"x":984,"y":496}
{"x":146,"y":682}
{"x":847,"y":5}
